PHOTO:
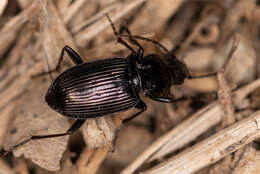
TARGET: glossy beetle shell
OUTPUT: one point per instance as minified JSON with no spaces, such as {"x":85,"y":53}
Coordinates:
{"x":94,"y":89}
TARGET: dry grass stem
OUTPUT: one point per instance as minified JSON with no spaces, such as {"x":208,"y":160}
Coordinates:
{"x":9,"y":31}
{"x":3,"y":4}
{"x":72,"y":10}
{"x":212,"y":149}
{"x":55,"y":36}
{"x":94,"y":18}
{"x":63,"y":5}
{"x":83,"y":36}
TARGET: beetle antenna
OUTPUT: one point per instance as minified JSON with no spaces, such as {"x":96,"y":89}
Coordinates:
{"x":119,"y":39}
{"x":150,"y":40}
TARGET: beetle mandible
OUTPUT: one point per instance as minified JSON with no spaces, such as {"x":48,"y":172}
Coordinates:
{"x":104,"y":87}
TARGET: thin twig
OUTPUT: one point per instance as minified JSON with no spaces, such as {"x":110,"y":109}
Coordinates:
{"x":224,"y":92}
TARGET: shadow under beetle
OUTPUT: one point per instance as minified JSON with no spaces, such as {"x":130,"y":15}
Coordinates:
{"x":104,"y":87}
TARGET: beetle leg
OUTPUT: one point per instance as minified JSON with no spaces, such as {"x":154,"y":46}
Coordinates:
{"x":152,"y":41}
{"x":142,"y":107}
{"x":169,"y":99}
{"x":74,"y":56}
{"x":71,"y":130}
{"x":202,"y":76}
{"x":132,"y":40}
{"x":119,"y":39}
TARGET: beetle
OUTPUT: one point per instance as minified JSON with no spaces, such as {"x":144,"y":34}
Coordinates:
{"x":112,"y":85}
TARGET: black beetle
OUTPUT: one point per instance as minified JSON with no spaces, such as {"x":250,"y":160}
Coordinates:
{"x":104,"y":87}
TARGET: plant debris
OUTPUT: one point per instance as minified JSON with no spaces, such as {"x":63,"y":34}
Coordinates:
{"x":216,"y":129}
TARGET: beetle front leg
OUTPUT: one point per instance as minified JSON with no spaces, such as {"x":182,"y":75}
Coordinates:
{"x":169,"y":99}
{"x":142,"y":107}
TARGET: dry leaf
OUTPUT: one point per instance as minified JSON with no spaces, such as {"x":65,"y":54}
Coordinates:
{"x":32,"y":116}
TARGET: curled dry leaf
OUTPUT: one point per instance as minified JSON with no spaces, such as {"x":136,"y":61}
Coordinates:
{"x":32,"y":116}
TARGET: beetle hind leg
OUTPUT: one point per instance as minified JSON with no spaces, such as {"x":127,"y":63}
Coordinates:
{"x":142,"y":107}
{"x":70,"y":131}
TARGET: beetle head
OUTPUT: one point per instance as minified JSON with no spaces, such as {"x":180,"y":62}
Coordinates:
{"x":177,"y":69}
{"x":155,"y":79}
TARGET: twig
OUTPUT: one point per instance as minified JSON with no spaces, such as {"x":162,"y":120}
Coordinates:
{"x":225,"y":99}
{"x":72,"y":10}
{"x":224,"y":93}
